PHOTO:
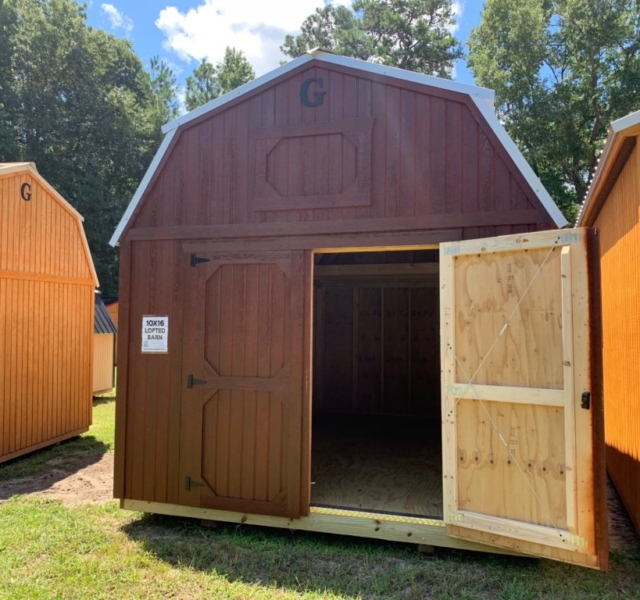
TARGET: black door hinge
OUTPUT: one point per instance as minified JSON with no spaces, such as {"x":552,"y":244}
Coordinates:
{"x":191,"y":381}
{"x":196,"y":260}
{"x":189,"y":483}
{"x":586,"y":400}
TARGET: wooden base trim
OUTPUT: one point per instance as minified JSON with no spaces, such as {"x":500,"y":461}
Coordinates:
{"x":394,"y":528}
{"x":34,"y":447}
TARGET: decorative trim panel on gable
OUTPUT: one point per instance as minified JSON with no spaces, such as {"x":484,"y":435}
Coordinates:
{"x":311,"y":166}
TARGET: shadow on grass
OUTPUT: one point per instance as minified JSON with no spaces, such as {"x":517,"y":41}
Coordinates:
{"x":41,"y":469}
{"x":307,"y":562}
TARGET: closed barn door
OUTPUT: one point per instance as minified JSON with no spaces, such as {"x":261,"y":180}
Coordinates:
{"x":241,"y":435}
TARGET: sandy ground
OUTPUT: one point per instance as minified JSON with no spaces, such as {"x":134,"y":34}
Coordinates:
{"x":91,"y":481}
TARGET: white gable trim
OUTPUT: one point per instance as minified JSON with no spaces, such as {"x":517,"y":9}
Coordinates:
{"x":115,"y":238}
{"x":626,"y":122}
{"x":522,"y":164}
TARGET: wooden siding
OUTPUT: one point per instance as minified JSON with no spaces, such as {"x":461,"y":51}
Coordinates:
{"x":103,"y":361}
{"x":430,"y":153}
{"x":40,"y":236}
{"x":46,"y":332}
{"x":377,"y":350}
{"x":46,"y":319}
{"x":437,"y":173}
{"x":619,"y":225}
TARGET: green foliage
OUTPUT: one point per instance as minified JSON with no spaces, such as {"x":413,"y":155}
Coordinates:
{"x":410,"y":34}
{"x":209,"y":81}
{"x":562,"y":71}
{"x":78,"y":102}
{"x":202,"y":85}
{"x":234,"y":71}
{"x":165,"y":90}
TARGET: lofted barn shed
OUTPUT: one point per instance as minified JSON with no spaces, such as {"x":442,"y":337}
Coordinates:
{"x":317,"y":274}
{"x":47,"y":283}
{"x":613,"y":206}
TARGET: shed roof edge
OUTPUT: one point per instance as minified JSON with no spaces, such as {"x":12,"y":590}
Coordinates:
{"x":334,"y":59}
{"x":620,"y":128}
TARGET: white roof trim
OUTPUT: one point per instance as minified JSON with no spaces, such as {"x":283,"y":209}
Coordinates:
{"x":142,"y":187}
{"x":341,"y":61}
{"x":626,"y":122}
{"x":616,"y":129}
{"x":482,"y":97}
{"x":522,"y":164}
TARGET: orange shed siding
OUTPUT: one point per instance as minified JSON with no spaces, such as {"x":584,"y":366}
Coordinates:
{"x":46,"y":319}
{"x":619,"y":224}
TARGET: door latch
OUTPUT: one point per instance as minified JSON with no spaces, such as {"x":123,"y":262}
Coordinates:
{"x":586,"y":400}
{"x":191,"y":381}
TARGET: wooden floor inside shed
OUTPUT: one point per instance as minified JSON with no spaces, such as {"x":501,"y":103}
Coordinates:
{"x":379,"y":464}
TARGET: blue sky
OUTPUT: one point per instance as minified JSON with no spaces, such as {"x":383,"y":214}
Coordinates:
{"x":184,"y":31}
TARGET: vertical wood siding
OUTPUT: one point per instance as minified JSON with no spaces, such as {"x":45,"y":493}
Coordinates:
{"x":429,"y":154}
{"x":46,"y":321}
{"x":265,"y":167}
{"x":45,"y":363}
{"x":619,"y":224}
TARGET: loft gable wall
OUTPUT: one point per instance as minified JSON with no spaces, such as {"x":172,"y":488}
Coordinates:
{"x":370,"y":147}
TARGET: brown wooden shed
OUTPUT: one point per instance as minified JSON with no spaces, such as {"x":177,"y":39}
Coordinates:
{"x":47,"y":283}
{"x":612,"y":205}
{"x":313,"y":311}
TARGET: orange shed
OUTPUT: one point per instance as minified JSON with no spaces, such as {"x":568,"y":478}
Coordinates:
{"x":47,"y":283}
{"x":347,"y":307}
{"x":613,"y":206}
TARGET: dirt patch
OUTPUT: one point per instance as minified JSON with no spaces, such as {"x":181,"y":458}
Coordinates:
{"x":85,"y":482}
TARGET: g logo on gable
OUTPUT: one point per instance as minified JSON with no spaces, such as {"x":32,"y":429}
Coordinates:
{"x":318,"y":95}
{"x":25,"y":191}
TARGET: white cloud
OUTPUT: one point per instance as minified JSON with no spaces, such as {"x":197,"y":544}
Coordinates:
{"x":256,"y":27}
{"x":116,"y":18}
{"x":457,"y":8}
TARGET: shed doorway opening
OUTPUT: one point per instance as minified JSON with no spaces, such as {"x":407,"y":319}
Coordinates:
{"x":376,"y":435}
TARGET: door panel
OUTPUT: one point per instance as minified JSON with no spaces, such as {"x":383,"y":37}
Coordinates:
{"x":242,"y":415}
{"x":516,"y":352}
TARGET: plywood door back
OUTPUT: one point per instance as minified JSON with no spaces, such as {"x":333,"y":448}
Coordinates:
{"x":518,"y":446}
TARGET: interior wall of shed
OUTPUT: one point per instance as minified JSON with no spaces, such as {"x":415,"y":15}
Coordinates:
{"x":376,"y":334}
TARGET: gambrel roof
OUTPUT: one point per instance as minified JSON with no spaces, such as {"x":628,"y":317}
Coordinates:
{"x":481,"y":97}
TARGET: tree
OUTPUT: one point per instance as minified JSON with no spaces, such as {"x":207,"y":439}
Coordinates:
{"x":234,"y":71}
{"x":165,"y":90}
{"x":78,"y":102}
{"x":410,"y":34}
{"x":202,"y":85}
{"x":209,"y":81}
{"x":562,"y":70}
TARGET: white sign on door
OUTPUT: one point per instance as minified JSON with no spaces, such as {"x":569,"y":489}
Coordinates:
{"x":155,"y":335}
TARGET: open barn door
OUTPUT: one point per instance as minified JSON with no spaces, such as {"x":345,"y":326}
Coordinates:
{"x":521,"y":425}
{"x":242,"y":434}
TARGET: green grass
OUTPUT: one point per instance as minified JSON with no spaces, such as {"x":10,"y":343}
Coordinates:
{"x":50,"y":551}
{"x":97,"y":441}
